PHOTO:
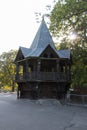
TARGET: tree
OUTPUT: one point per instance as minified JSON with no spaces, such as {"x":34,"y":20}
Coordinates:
{"x":70,"y":17}
{"x":7,"y":69}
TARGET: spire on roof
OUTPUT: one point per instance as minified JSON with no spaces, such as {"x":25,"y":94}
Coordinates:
{"x":43,"y":37}
{"x":43,"y":18}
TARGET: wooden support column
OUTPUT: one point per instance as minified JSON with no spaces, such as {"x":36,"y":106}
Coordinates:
{"x":26,"y":70}
{"x":66,"y":68}
{"x":69,"y":71}
{"x":34,"y":66}
{"x":38,"y":65}
{"x":17,"y":70}
{"x":26,"y":66}
{"x":57,"y":65}
{"x":18,"y":91}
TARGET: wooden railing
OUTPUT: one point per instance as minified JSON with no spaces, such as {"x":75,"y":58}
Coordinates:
{"x":43,"y":76}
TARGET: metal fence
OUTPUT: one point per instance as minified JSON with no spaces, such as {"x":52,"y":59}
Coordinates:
{"x":76,"y":99}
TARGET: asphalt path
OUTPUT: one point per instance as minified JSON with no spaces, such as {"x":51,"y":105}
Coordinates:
{"x":25,"y":114}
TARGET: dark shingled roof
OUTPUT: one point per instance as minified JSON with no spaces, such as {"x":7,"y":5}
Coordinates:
{"x":40,"y":42}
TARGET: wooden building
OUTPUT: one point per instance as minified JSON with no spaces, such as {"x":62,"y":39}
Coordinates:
{"x":42,"y":71}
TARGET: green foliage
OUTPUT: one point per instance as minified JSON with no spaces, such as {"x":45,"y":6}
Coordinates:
{"x":7,"y":69}
{"x":71,"y":16}
{"x":6,"y":89}
{"x":79,"y":67}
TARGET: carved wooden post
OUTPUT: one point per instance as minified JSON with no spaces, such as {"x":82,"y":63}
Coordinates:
{"x":26,"y":70}
{"x":57,"y":69}
{"x":38,"y":69}
{"x":38,"y":65}
{"x":17,"y":70}
{"x":18,"y":91}
{"x":57,"y":65}
{"x":34,"y":66}
{"x":26,"y":66}
{"x":69,"y":72}
{"x":65,"y":67}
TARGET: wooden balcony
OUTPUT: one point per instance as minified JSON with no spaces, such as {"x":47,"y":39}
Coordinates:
{"x":43,"y":76}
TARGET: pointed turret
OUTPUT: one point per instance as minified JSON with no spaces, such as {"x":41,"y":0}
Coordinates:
{"x":42,"y":38}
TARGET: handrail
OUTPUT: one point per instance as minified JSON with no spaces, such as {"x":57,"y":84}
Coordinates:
{"x":43,"y":76}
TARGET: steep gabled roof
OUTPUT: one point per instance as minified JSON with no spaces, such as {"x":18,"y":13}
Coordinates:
{"x":39,"y":51}
{"x":40,"y":43}
{"x":25,"y":51}
{"x":64,"y":53}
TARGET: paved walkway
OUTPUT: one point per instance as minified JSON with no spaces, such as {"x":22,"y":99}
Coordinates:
{"x":40,"y":115}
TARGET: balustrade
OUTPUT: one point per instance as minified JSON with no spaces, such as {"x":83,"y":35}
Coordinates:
{"x":43,"y":76}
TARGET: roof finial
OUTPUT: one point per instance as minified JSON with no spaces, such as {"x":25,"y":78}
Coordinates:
{"x":43,"y":17}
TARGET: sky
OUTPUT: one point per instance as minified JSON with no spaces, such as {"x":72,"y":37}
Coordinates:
{"x":18,"y":24}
